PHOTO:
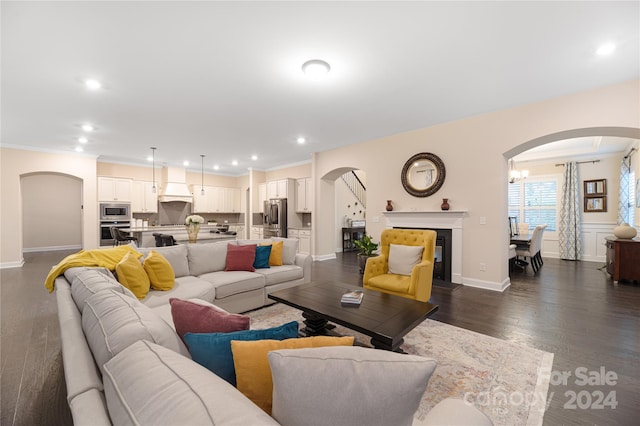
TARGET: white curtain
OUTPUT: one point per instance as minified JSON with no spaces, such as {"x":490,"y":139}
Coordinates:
{"x":569,"y":226}
{"x":623,"y":204}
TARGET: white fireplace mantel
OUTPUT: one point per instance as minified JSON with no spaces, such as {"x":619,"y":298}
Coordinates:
{"x":447,"y":219}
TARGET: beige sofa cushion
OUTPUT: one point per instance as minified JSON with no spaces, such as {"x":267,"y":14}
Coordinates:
{"x":289,"y":249}
{"x":147,"y":384}
{"x":380,"y":387}
{"x":112,"y":321}
{"x":184,"y":288}
{"x":208,"y":257}
{"x":175,"y":255}
{"x":89,"y":282}
{"x":280,"y":274}
{"x":228,"y":283}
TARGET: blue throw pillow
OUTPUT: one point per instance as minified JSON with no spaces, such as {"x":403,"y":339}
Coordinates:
{"x":213,"y":350}
{"x":262,"y":257}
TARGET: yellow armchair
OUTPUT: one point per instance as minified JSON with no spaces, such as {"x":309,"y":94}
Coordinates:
{"x":415,"y":286}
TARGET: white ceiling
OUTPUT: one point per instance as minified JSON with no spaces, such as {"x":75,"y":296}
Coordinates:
{"x":223,"y":78}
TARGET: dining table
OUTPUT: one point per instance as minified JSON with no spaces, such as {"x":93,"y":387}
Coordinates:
{"x":521,"y":240}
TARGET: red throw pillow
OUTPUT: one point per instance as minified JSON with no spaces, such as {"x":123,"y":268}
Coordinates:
{"x":191,"y":317}
{"x":241,"y":258}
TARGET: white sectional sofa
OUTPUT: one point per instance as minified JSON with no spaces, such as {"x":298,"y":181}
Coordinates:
{"x":125,"y":364}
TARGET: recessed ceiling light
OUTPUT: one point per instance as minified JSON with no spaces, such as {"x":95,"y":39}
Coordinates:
{"x":234,"y":162}
{"x":605,"y":49}
{"x":92,"y":84}
{"x":82,"y":139}
{"x":149,"y":158}
{"x":316,"y":69}
{"x":216,"y":167}
{"x":79,"y":149}
{"x":301,"y":140}
{"x":87,"y":127}
{"x":185,"y":162}
{"x":254,"y":157}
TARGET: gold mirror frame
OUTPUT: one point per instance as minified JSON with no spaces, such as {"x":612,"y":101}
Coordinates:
{"x":432,"y":166}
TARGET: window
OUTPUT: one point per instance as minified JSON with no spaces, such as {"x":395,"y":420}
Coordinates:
{"x":534,"y":202}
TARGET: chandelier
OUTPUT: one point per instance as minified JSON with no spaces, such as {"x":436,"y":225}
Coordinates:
{"x":514,"y":174}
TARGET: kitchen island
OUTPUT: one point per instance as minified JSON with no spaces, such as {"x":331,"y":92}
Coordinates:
{"x":146,"y":239}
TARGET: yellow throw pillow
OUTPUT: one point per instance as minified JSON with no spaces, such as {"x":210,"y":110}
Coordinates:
{"x":131,"y":274}
{"x":159,"y":271}
{"x":275,"y":258}
{"x":253,"y":373}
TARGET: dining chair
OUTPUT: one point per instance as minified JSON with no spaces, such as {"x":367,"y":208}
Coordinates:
{"x":532,"y":251}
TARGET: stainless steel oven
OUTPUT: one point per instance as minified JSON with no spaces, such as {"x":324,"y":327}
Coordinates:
{"x":105,"y":230}
{"x":115,"y":212}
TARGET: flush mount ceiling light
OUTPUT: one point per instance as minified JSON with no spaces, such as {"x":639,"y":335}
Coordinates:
{"x":234,"y":162}
{"x":92,"y":84}
{"x":606,"y":49}
{"x":185,"y":163}
{"x":82,"y":139}
{"x":254,"y":157}
{"x":79,"y":149}
{"x":316,"y":69}
{"x":88,"y":128}
{"x":301,"y":140}
{"x":216,"y":167}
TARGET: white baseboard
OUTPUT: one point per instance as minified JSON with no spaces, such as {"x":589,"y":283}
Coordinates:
{"x":487,"y":285}
{"x":321,"y":257}
{"x":50,"y":248}
{"x":17,"y":264}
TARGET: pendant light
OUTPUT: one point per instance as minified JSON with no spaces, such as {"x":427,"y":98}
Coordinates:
{"x":153,"y":168}
{"x":202,"y":174}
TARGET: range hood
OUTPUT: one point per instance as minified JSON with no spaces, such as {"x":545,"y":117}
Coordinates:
{"x":175,"y":187}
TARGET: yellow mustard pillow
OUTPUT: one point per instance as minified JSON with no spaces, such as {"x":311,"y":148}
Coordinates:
{"x":131,"y":274}
{"x":275,"y":258}
{"x":159,"y":271}
{"x":253,"y":373}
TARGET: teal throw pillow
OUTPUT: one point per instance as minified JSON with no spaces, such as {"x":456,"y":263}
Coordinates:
{"x":213,"y":350}
{"x":262,"y":257}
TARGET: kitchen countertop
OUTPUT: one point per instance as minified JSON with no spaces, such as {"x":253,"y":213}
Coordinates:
{"x":165,"y":228}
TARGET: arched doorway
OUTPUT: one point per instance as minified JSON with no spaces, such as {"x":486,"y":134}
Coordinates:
{"x":594,"y":226}
{"x":51,"y":212}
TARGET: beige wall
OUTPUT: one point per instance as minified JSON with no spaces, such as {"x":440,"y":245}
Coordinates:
{"x":16,"y":163}
{"x":52,"y":212}
{"x":474,"y":151}
{"x":294,"y":172}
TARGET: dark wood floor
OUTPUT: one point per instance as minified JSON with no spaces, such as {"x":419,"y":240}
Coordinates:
{"x":569,"y":308}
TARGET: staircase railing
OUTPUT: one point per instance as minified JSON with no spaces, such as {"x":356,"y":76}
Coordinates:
{"x":356,"y":186}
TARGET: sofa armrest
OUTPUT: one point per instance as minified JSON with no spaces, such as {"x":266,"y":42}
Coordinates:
{"x":422,"y":280}
{"x":304,"y":261}
{"x":80,"y":370}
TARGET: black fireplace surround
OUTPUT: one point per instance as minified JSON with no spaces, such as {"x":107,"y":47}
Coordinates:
{"x":442,"y":265}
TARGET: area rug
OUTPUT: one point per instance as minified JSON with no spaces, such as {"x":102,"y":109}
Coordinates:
{"x":506,"y":381}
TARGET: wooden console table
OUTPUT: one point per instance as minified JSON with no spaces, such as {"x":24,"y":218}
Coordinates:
{"x":623,"y":258}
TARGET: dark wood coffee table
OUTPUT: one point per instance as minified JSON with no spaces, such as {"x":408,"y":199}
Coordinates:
{"x":383,"y":317}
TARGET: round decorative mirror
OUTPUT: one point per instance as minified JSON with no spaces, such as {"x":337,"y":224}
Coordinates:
{"x":423,"y":174}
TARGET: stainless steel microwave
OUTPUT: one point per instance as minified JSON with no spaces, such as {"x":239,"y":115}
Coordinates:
{"x":120,"y":211}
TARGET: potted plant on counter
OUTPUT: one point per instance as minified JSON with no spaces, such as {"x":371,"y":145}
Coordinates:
{"x":366,"y":247}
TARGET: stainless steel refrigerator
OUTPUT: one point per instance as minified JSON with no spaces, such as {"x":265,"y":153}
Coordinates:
{"x":275,"y":218}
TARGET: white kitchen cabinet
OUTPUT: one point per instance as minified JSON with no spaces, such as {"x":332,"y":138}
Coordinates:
{"x":304,"y":239}
{"x":304,"y":195}
{"x":143,"y":199}
{"x":200,"y":202}
{"x":256,"y":232}
{"x":216,"y":199}
{"x":114,"y":189}
{"x":231,"y":200}
{"x":279,"y":188}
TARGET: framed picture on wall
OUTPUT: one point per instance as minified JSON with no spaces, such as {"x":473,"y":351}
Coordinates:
{"x":595,"y":204}
{"x":595,"y":187}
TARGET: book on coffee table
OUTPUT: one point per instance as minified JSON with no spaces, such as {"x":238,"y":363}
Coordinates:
{"x":352,"y":297}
